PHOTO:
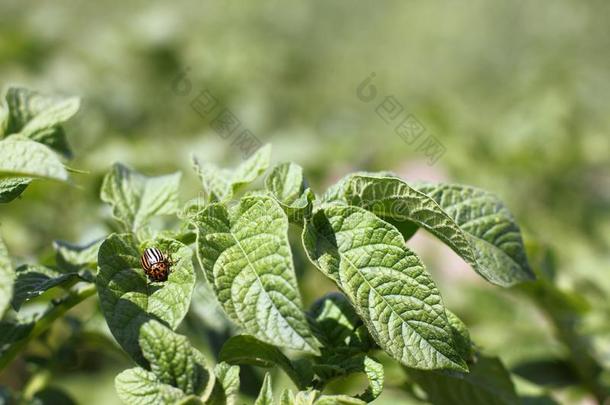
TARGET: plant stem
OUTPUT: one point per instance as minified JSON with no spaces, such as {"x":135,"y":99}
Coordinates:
{"x":46,"y":320}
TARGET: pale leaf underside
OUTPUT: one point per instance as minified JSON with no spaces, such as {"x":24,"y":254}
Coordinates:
{"x":492,"y":230}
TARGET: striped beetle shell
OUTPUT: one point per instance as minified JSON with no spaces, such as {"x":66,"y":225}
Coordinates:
{"x":155,"y":264}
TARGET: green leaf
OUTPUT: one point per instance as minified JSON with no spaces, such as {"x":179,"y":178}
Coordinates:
{"x":128,"y":300}
{"x":286,"y":182}
{"x":306,"y":397}
{"x":374,"y":373}
{"x":287,"y":397}
{"x":33,"y":280}
{"x":265,"y":396}
{"x":488,"y":383}
{"x":336,"y":194}
{"x":337,"y":323}
{"x":336,"y":191}
{"x":245,"y":349}
{"x":4,"y":119}
{"x":13,"y":331}
{"x":137,"y":386}
{"x":48,"y":119}
{"x":342,"y":364}
{"x":178,"y":371}
{"x":56,"y":139}
{"x":7,"y":275}
{"x":173,"y":360}
{"x":12,"y":187}
{"x":390,"y":197}
{"x":406,"y":228}
{"x":23,"y":105}
{"x":222,"y":184}
{"x":338,"y":400}
{"x":461,"y":336}
{"x":386,"y":283}
{"x":246,"y":257}
{"x":72,"y":258}
{"x":288,"y":186}
{"x":39,"y":117}
{"x":20,"y":157}
{"x":441,"y":209}
{"x":136,"y":198}
{"x":491,"y":228}
{"x":227,"y":385}
{"x":312,"y":397}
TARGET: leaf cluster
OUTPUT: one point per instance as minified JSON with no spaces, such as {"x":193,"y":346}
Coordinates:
{"x":386,"y":307}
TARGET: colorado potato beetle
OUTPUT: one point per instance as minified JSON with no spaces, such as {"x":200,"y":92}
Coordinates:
{"x":156,"y":265}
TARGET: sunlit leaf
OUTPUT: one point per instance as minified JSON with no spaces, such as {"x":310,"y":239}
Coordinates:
{"x":390,"y":197}
{"x":41,"y":128}
{"x":137,"y":386}
{"x":386,"y":283}
{"x":21,"y":157}
{"x":136,"y":198}
{"x":39,"y":117}
{"x":173,"y":360}
{"x":265,"y":396}
{"x":492,"y":230}
{"x":338,"y":400}
{"x":287,"y":397}
{"x":128,"y":299}
{"x":222,"y":184}
{"x":246,"y":257}
{"x":287,"y":185}
{"x":227,"y":385}
{"x":314,"y":397}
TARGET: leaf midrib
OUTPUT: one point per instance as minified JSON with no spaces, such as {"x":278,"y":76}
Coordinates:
{"x":467,"y":201}
{"x":262,"y":287}
{"x":450,"y":220}
{"x":475,"y":262}
{"x":406,"y":322}
{"x":385,"y":301}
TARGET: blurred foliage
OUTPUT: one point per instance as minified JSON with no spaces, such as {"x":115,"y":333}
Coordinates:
{"x":517,"y":92}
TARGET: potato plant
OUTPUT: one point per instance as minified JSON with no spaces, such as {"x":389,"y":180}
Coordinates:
{"x":386,"y":306}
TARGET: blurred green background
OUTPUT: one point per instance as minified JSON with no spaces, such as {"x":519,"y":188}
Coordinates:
{"x":517,"y":92}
